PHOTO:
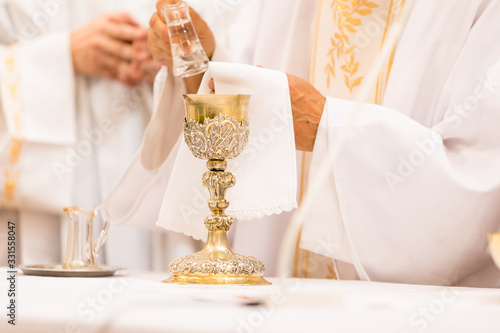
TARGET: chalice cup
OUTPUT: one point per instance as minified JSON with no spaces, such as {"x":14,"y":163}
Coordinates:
{"x":215,"y":129}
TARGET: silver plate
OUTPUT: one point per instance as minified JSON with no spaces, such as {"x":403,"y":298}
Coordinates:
{"x":58,"y":271}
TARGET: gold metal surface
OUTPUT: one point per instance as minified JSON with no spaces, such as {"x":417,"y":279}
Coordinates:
{"x":217,"y":138}
{"x":494,"y":240}
{"x":218,"y":279}
{"x":217,"y":259}
{"x":199,"y":107}
{"x":216,"y":128}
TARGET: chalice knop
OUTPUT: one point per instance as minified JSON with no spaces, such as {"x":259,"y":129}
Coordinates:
{"x":215,"y":129}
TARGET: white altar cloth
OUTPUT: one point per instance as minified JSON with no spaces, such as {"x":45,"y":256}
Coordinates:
{"x":133,"y":302}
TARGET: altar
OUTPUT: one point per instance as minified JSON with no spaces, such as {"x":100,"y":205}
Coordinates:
{"x":139,"y":302}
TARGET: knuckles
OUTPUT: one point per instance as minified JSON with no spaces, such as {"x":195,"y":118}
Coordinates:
{"x":97,"y":42}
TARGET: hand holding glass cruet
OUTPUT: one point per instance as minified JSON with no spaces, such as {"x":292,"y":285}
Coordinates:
{"x":188,"y":55}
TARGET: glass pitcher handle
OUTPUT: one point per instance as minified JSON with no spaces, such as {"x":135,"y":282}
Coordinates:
{"x":104,"y":232}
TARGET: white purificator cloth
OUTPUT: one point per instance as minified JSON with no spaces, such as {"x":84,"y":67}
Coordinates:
{"x":266,"y":180}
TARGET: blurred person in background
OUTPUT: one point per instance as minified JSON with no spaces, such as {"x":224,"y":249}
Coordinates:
{"x":75,"y":96}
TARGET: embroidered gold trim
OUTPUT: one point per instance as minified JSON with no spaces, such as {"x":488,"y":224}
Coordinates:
{"x":332,"y":275}
{"x":348,"y":14}
{"x":12,"y":108}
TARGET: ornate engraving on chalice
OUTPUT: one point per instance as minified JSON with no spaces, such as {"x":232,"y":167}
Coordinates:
{"x":217,"y":138}
{"x":216,"y":128}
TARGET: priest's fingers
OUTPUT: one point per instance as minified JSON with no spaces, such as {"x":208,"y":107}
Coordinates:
{"x":157,"y":45}
{"x":159,"y":28}
{"x":93,"y":45}
{"x":211,"y":86}
{"x":162,"y":3}
{"x":123,"y":31}
{"x":115,"y":47}
{"x":140,"y":50}
{"x":124,"y":17}
{"x":130,"y":74}
{"x":135,"y":72}
{"x":204,"y":33}
{"x":110,"y":66}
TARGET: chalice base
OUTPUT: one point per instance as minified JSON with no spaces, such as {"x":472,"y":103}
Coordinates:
{"x":217,"y":264}
{"x":201,"y":268}
{"x":218,"y":279}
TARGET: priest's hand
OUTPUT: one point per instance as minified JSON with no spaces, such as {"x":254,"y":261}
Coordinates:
{"x":104,"y":47}
{"x":142,"y":67}
{"x":159,"y":41}
{"x":307,"y":108}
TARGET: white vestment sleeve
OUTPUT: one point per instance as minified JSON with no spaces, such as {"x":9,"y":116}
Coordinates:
{"x":413,"y":201}
{"x":39,"y":66}
{"x":412,"y":205}
{"x":137,"y":198}
{"x":47,"y":89}
{"x":167,"y":121}
{"x":38,"y":110}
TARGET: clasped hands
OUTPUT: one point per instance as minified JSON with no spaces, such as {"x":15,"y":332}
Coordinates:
{"x":113,"y":46}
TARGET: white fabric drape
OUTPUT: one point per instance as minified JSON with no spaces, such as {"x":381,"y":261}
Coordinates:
{"x":417,"y":178}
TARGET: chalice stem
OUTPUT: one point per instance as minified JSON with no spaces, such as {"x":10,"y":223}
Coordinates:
{"x":217,"y":245}
{"x":217,"y":180}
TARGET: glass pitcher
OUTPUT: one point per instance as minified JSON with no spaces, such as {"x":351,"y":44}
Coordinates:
{"x":81,"y":251}
{"x":188,"y":56}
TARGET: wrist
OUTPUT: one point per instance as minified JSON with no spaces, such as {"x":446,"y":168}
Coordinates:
{"x":192,"y":83}
{"x":211,"y":53}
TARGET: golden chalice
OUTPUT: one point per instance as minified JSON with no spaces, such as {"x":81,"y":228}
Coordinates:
{"x":216,"y":128}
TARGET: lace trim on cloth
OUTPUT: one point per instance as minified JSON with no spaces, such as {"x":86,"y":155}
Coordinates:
{"x":242,"y":215}
{"x":250,"y":214}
